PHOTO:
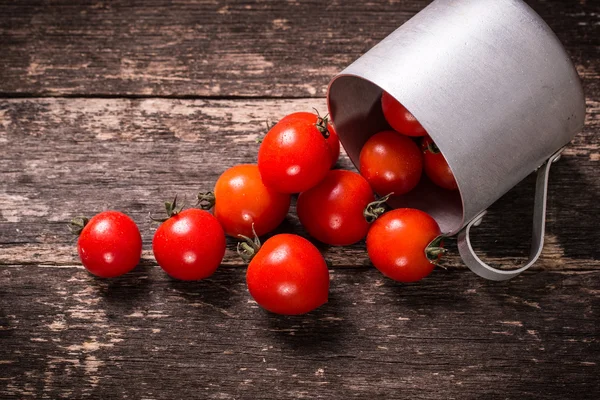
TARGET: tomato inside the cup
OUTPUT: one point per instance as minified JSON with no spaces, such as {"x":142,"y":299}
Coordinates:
{"x":399,"y":118}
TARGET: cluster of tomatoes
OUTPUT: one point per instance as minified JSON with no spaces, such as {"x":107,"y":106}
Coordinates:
{"x":393,"y":162}
{"x":287,"y":274}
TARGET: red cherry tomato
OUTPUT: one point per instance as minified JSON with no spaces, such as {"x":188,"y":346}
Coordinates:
{"x":332,"y":211}
{"x":333,"y":140}
{"x":294,"y":155}
{"x":241,"y":199}
{"x":435,"y":165}
{"x":391,"y":162}
{"x":399,"y":118}
{"x":110,"y":244}
{"x":334,"y":144}
{"x":288,"y":275}
{"x":398,"y":241}
{"x":189,"y":245}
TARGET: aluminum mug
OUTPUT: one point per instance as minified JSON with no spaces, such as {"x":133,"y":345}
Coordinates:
{"x":493,"y":87}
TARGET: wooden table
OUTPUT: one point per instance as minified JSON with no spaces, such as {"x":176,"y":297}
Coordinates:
{"x":122,"y":104}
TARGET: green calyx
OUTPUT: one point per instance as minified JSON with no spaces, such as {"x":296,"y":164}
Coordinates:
{"x":171,"y":208}
{"x":322,"y":123}
{"x":434,"y":250}
{"x":77,"y":224}
{"x":206,"y":201}
{"x":249,"y":247}
{"x":374,"y":209}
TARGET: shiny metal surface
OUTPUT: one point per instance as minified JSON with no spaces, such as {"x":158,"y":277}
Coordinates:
{"x":490,"y":83}
{"x":484,"y":270}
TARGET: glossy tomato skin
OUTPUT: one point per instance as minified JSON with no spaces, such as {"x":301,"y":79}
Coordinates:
{"x":334,"y":145}
{"x":399,"y":118}
{"x":294,"y":155}
{"x":288,"y":276}
{"x":333,"y":141}
{"x":189,"y":245}
{"x":242,"y":199}
{"x":397,"y":241}
{"x":110,"y":244}
{"x":391,"y":162}
{"x":332,"y":211}
{"x":436,"y":167}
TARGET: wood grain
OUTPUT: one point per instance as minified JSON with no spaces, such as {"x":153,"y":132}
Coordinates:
{"x":69,"y":157}
{"x":260,"y":48}
{"x":121,"y":104}
{"x":452,"y":336}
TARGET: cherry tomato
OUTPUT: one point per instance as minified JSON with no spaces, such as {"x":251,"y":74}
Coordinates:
{"x":241,"y":199}
{"x":189,"y":245}
{"x":334,"y":144}
{"x":294,"y":155}
{"x":333,"y":140}
{"x":398,"y":241}
{"x":288,"y":275}
{"x":391,"y":162}
{"x":399,"y":118}
{"x":332,"y":211}
{"x":110,"y":244}
{"x":435,"y":165}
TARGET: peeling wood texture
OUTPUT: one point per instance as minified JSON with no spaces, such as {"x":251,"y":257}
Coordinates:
{"x":122,"y":104}
{"x":218,"y":48}
{"x":67,"y":157}
{"x":146,"y":336}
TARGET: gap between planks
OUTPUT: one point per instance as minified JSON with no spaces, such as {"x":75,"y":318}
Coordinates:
{"x":129,"y":96}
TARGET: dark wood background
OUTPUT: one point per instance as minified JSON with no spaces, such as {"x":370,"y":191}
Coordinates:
{"x":122,"y":104}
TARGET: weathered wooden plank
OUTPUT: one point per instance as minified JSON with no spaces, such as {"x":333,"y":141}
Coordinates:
{"x":215,"y":48}
{"x":67,"y":157}
{"x":66,"y":334}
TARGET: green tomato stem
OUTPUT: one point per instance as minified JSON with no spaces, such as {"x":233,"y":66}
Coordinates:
{"x":376,"y":208}
{"x":206,"y":201}
{"x":77,"y":224}
{"x":171,"y":208}
{"x":434,"y":250}
{"x":249,"y":247}
{"x":322,"y":123}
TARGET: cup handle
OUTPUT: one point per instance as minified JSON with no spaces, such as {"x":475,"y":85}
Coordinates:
{"x":539,"y":221}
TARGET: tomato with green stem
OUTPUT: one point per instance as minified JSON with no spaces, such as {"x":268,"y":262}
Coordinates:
{"x":189,"y":244}
{"x":109,"y":243}
{"x":240,"y":199}
{"x":295,"y":155}
{"x":435,"y":165}
{"x":333,"y":141}
{"x":286,"y":275}
{"x":405,"y":244}
{"x":332,"y":138}
{"x":399,"y":118}
{"x":391,"y":163}
{"x":339,"y":209}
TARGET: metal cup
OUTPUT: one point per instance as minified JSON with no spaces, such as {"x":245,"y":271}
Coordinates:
{"x":493,"y":87}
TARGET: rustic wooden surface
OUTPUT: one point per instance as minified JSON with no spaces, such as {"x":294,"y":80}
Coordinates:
{"x":123,"y":104}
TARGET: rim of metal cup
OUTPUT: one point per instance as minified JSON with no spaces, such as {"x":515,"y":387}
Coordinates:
{"x":488,"y":152}
{"x":446,"y":206}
